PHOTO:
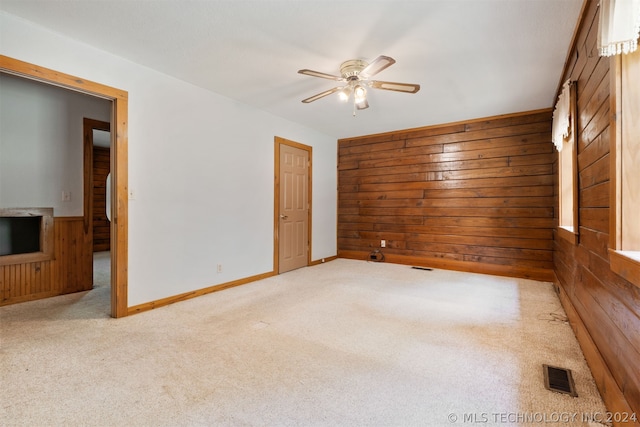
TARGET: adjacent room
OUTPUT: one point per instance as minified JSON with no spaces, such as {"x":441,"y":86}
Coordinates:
{"x":319,"y":212}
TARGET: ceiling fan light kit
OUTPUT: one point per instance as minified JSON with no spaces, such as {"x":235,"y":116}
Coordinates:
{"x":345,"y":93}
{"x":359,"y":94}
{"x":356,"y":73}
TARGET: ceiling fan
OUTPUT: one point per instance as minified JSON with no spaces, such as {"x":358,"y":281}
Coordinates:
{"x":356,"y":74}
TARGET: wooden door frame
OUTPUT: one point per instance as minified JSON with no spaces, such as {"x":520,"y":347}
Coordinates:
{"x":88,"y":126}
{"x":276,"y":199}
{"x":119,"y":164}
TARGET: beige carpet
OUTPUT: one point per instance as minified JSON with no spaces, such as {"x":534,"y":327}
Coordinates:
{"x":346,"y":343}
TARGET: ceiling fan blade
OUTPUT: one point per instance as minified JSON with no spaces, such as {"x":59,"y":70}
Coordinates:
{"x":378,"y":64}
{"x":321,"y":95}
{"x":398,"y":87}
{"x":319,"y":74}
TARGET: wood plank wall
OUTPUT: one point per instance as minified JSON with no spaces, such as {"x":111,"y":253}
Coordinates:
{"x":24,"y":282}
{"x":606,"y":305}
{"x":71,"y":270}
{"x":101,"y":225}
{"x":474,"y":196}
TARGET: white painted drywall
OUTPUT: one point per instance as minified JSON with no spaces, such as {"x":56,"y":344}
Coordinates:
{"x":201,"y":168}
{"x":41,"y":149}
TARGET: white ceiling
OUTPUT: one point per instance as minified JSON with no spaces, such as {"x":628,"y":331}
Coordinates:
{"x":473,"y":58}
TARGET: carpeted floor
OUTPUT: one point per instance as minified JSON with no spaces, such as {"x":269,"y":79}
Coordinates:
{"x":346,"y":343}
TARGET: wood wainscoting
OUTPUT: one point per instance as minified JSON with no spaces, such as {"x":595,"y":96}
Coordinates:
{"x":70,"y":270}
{"x":604,"y":307}
{"x":474,"y":196}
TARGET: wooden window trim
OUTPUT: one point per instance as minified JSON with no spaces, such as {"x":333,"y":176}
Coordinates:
{"x":624,"y":263}
{"x":568,"y":233}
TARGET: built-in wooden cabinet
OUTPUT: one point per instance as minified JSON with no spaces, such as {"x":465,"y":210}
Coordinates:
{"x":26,"y":235}
{"x":62,"y":264}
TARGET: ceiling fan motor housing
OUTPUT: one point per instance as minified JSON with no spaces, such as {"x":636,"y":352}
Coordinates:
{"x":352,"y":68}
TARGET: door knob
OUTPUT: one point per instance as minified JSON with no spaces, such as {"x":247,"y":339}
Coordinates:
{"x":283,"y":216}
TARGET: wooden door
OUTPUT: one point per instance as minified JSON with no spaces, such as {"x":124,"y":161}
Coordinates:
{"x":293,"y":227}
{"x":101,"y":223}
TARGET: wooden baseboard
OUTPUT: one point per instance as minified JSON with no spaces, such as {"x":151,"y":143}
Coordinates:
{"x":611,"y":394}
{"x":466,"y":266}
{"x":323,"y":260}
{"x":193,"y":294}
{"x":31,"y":297}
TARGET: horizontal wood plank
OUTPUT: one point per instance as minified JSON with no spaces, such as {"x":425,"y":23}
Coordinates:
{"x":604,"y":308}
{"x":476,"y":192}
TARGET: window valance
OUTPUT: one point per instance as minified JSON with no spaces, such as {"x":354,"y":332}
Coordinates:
{"x":561,"y":126}
{"x":619,"y":26}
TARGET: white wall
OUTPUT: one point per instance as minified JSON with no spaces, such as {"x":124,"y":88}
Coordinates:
{"x":200,"y":166}
{"x":41,"y":149}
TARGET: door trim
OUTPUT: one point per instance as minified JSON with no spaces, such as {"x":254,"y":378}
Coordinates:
{"x":88,"y":125}
{"x":119,"y":164}
{"x":276,"y":199}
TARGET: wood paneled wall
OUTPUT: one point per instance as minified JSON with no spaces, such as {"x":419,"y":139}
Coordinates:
{"x":474,"y":196}
{"x":101,"y":225}
{"x":71,"y":269}
{"x":605,"y":307}
{"x":25,"y":282}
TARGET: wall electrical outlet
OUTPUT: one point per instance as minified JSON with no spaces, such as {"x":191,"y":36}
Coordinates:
{"x":383,"y":243}
{"x":219,"y":268}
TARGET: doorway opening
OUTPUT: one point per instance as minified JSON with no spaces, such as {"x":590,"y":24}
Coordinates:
{"x":119,"y":164}
{"x":97,"y":199}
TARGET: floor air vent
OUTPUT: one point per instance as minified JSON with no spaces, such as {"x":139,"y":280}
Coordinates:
{"x":559,"y":380}
{"x":422,"y":268}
